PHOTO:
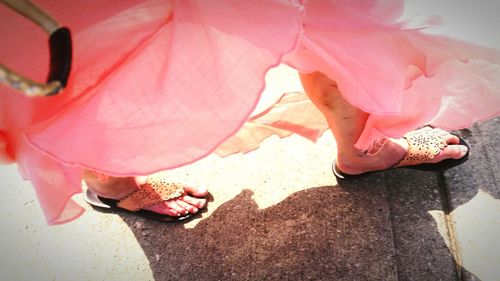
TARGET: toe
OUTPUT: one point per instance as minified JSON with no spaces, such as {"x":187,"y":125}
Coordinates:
{"x":193,"y":201}
{"x":451,"y":151}
{"x":163,"y":209}
{"x":173,"y":204}
{"x":451,"y":139}
{"x":196,"y":191}
{"x":187,"y":207}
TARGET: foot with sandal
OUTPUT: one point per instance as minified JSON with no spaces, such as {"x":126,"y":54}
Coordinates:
{"x":426,"y":148}
{"x":154,"y":198}
{"x":151,"y":197}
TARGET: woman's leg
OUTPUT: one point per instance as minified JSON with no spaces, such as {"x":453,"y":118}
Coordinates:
{"x":119,"y":187}
{"x":347,"y":122}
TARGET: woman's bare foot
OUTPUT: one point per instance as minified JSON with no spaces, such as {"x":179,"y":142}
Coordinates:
{"x":389,"y":152}
{"x":119,"y":187}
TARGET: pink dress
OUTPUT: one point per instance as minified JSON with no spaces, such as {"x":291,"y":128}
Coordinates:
{"x":158,"y":84}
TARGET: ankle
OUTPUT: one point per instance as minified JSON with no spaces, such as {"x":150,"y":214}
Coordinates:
{"x":383,"y":155}
{"x":112,"y":187}
{"x":353,"y":163}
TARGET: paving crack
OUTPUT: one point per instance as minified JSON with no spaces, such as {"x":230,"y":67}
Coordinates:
{"x":391,"y":220}
{"x":444,"y":193}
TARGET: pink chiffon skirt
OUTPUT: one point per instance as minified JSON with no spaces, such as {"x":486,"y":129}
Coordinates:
{"x":158,"y":84}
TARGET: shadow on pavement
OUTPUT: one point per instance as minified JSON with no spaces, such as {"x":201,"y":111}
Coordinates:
{"x":314,"y":234}
{"x":481,"y":170}
{"x":343,"y":232}
{"x":376,"y":228}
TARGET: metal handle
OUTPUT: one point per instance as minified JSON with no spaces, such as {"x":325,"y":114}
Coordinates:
{"x":60,"y":54}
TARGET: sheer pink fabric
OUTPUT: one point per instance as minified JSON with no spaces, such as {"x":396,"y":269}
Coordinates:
{"x":401,"y":76}
{"x":159,"y":84}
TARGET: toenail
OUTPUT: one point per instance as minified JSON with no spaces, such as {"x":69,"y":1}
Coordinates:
{"x":464,"y":149}
{"x":201,"y":190}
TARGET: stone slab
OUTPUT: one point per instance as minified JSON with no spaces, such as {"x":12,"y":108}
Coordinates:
{"x":474,"y":198}
{"x":420,"y":231}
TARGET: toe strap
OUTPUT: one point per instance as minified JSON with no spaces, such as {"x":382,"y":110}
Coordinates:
{"x":154,"y":191}
{"x":422,"y":146}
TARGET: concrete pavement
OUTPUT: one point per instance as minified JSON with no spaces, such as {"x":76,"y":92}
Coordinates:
{"x":279,"y":214}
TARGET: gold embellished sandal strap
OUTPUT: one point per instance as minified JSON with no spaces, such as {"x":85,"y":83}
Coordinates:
{"x":154,"y":191}
{"x":422,"y":146}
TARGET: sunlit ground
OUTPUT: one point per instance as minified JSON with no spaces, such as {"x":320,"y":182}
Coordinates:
{"x":475,"y":227}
